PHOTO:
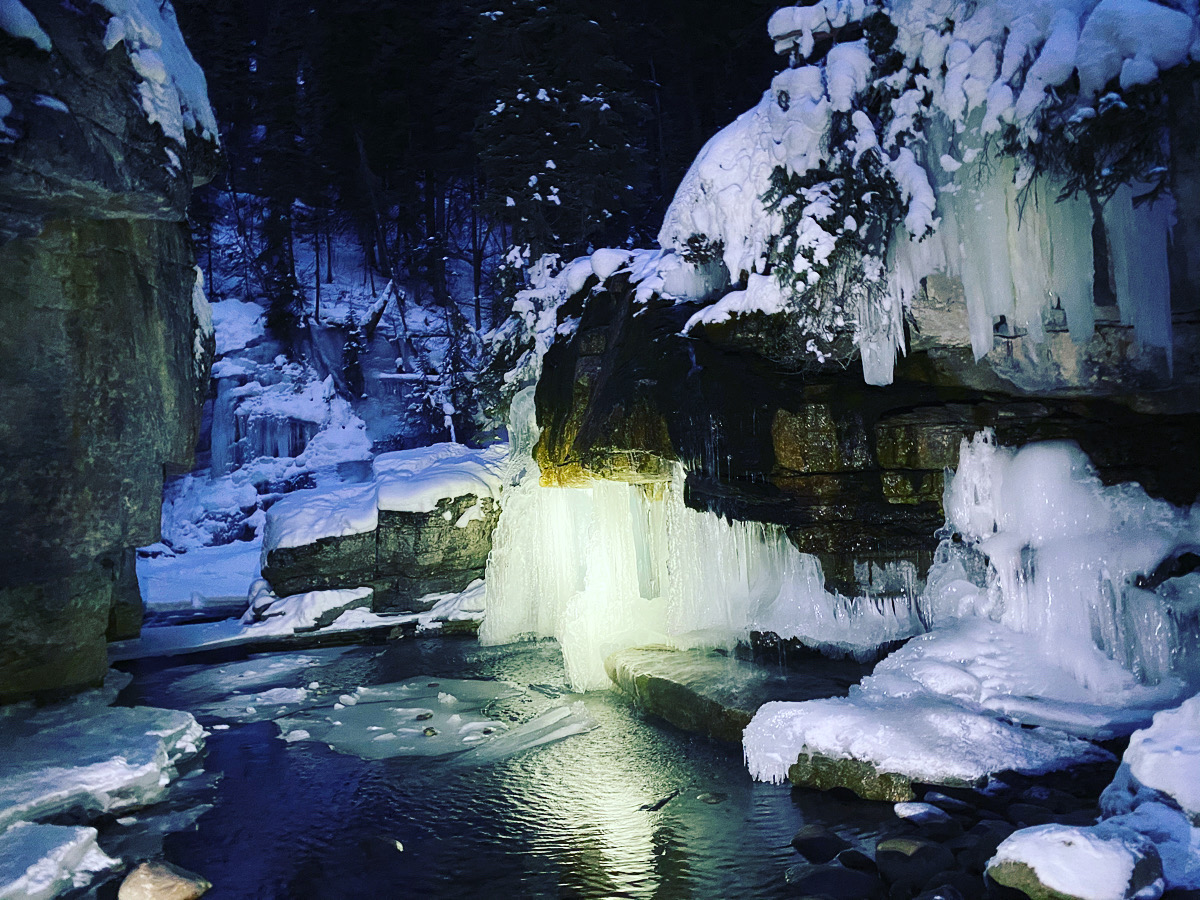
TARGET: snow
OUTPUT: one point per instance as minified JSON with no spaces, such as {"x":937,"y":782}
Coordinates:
{"x":202,"y":576}
{"x":301,"y":612}
{"x":413,"y":480}
{"x":173,"y":90}
{"x":416,"y":480}
{"x":238,"y":325}
{"x":1061,"y":547}
{"x":1090,"y":863}
{"x":73,"y":758}
{"x":304,"y":517}
{"x":20,"y":23}
{"x":1166,"y":756}
{"x":1035,"y":621}
{"x":202,"y":310}
{"x":969,"y":70}
{"x":1118,"y":31}
{"x":38,"y":862}
{"x":928,"y":739}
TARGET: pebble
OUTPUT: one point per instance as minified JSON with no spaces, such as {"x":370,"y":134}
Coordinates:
{"x":430,"y":731}
{"x":711,"y":797}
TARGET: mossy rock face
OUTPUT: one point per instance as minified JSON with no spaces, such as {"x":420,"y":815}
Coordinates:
{"x":825,"y":773}
{"x":103,"y":367}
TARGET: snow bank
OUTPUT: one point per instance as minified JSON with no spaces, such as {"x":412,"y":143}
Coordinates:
{"x":304,"y":517}
{"x":238,"y":324}
{"x":407,"y":481}
{"x":926,"y":739}
{"x":416,"y":480}
{"x":38,"y":862}
{"x":304,"y":612}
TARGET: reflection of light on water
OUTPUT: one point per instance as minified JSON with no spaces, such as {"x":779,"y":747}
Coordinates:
{"x":590,"y":812}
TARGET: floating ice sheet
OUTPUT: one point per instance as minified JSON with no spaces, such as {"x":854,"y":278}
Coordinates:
{"x":430,"y":717}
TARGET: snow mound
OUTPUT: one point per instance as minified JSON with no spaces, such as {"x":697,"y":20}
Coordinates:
{"x":416,"y":480}
{"x":173,"y":91}
{"x":1166,"y":756}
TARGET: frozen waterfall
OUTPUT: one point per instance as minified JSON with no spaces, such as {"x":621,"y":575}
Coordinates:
{"x":616,"y":565}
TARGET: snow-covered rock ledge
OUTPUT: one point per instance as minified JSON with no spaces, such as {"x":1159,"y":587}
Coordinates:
{"x":422,"y":525}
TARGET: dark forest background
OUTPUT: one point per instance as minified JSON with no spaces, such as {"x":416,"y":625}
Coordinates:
{"x":442,"y":134}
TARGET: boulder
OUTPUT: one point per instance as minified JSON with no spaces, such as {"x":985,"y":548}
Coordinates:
{"x":407,"y":556}
{"x":105,"y":340}
{"x":708,"y":692}
{"x":160,"y":880}
{"x":814,"y":770}
{"x":911,"y":860}
{"x":1062,"y":862}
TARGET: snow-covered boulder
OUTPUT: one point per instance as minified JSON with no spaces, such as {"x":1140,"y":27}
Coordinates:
{"x":1063,"y":862}
{"x":421,"y":525}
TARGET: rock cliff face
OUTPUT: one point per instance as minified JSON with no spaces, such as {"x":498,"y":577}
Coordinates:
{"x":105,"y":340}
{"x":854,"y":471}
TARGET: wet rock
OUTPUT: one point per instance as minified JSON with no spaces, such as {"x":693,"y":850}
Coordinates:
{"x":856,"y":859}
{"x":911,"y":860}
{"x":973,"y":849}
{"x":835,"y":883}
{"x":955,"y":884}
{"x":859,"y":776}
{"x":948,"y":803}
{"x":1026,"y":814}
{"x":705,"y":691}
{"x":160,"y":880}
{"x":932,"y":821}
{"x":818,"y":844}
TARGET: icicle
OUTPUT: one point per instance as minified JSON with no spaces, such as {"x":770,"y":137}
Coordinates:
{"x":1137,"y":239}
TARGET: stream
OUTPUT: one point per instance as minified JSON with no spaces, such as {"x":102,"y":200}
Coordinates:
{"x":631,"y":808}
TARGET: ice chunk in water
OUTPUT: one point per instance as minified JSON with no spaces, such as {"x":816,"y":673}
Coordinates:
{"x":38,"y":862}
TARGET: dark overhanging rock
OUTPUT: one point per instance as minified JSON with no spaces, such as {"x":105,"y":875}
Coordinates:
{"x":103,"y":361}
